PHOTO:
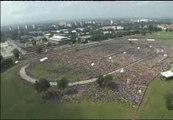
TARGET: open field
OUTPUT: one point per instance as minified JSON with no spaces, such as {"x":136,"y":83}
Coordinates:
{"x":154,"y":105}
{"x":20,"y":100}
{"x":155,"y":98}
{"x":164,"y":37}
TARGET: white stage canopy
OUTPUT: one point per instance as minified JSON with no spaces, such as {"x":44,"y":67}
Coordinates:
{"x":167,"y":74}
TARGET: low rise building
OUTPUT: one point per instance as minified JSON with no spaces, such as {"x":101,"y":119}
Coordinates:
{"x":58,"y":39}
{"x":108,"y":27}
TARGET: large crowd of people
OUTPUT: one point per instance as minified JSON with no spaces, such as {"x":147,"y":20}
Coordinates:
{"x":99,"y":60}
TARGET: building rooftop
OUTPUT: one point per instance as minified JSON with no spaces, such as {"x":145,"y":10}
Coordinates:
{"x":58,"y":37}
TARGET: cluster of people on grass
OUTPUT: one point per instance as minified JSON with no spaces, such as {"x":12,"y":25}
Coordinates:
{"x":131,"y":83}
{"x":132,"y":80}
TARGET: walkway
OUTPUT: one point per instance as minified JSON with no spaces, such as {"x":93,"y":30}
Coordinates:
{"x":24,"y":76}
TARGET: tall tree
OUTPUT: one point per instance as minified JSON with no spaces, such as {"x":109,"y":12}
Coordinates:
{"x":33,"y":42}
{"x":100,"y":80}
{"x":44,"y":39}
{"x":38,"y":49}
{"x":1,"y":57}
{"x":16,"y":53}
{"x":41,"y":85}
{"x":63,"y":83}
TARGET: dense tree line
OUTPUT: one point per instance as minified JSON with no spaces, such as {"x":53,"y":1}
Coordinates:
{"x":6,"y":63}
{"x":42,"y":86}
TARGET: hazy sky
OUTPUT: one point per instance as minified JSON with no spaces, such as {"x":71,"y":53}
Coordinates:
{"x":17,"y":12}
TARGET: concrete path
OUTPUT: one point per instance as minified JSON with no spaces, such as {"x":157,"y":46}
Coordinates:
{"x":24,"y":76}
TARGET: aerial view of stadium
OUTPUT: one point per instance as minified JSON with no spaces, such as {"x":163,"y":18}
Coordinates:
{"x":111,"y":68}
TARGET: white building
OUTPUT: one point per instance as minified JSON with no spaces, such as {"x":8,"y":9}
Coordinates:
{"x":106,"y":32}
{"x":33,"y":26}
{"x":111,"y":22}
{"x":142,"y":20}
{"x":108,"y":27}
{"x":56,"y":39}
{"x":120,"y":28}
{"x":112,"y":27}
{"x":26,"y":27}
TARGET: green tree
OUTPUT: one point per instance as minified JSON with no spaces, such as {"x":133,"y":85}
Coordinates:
{"x":108,"y":80}
{"x":41,"y":85}
{"x":16,"y":53}
{"x":1,"y":57}
{"x":33,"y":42}
{"x":38,"y":49}
{"x":63,"y":83}
{"x":150,"y":28}
{"x":143,"y":33}
{"x":3,"y":37}
{"x":6,"y":63}
{"x":44,"y":39}
{"x":100,"y":80}
{"x":73,"y":37}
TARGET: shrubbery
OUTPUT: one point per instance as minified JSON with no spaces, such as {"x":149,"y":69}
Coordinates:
{"x":41,"y":85}
{"x":6,"y":63}
{"x":63,"y":83}
{"x":107,"y":81}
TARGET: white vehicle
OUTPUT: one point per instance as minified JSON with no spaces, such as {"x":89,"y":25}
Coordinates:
{"x":43,"y":59}
{"x":16,"y":62}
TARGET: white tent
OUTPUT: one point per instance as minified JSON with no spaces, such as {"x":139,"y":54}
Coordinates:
{"x":150,"y":39}
{"x":132,"y":39}
{"x":92,"y":64}
{"x":110,"y":57}
{"x":167,"y":74}
{"x":165,"y":55}
{"x":43,"y":59}
{"x":122,"y":70}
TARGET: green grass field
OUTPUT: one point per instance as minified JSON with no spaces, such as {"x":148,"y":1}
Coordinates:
{"x":164,"y":37}
{"x":53,"y":72}
{"x":19,"y":100}
{"x":154,"y":105}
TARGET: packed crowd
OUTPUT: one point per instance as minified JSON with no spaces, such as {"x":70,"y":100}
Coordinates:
{"x":132,"y":80}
